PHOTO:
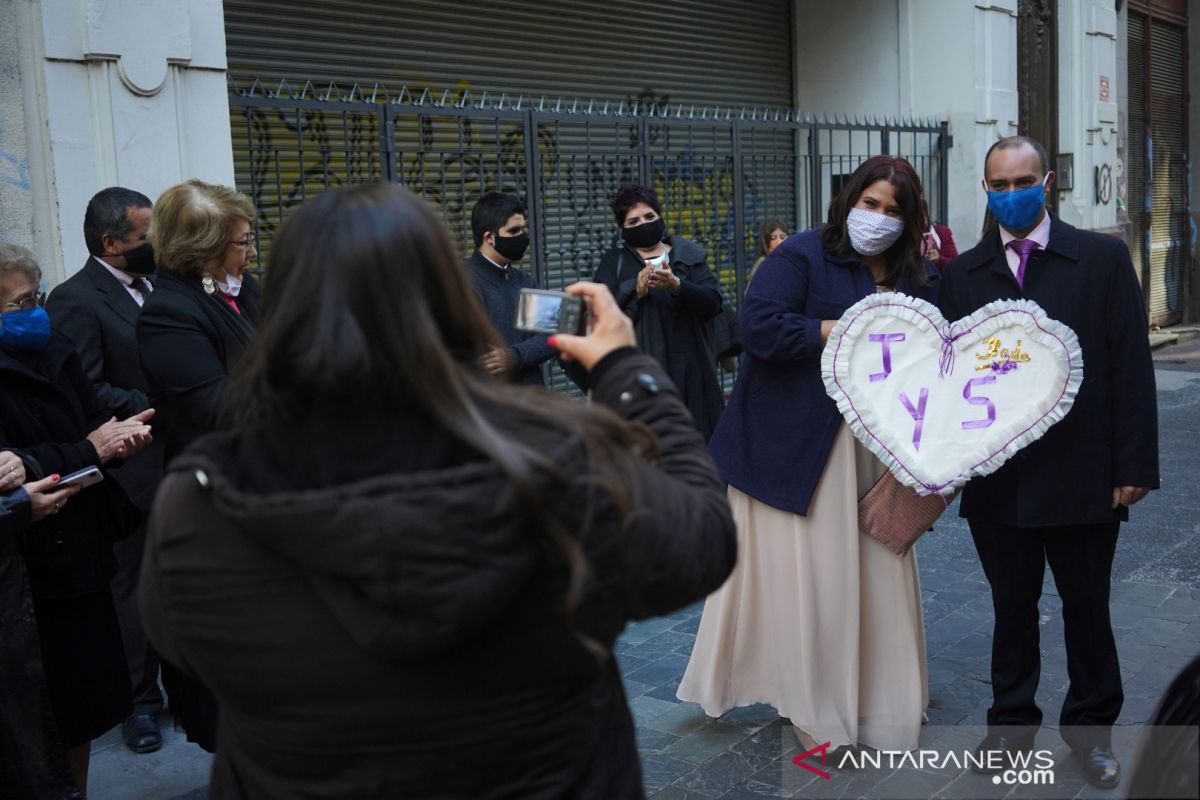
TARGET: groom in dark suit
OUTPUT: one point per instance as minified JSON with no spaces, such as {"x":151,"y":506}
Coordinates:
{"x":1061,"y":501}
{"x":97,"y":308}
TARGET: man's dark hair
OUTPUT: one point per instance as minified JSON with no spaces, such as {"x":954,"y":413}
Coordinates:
{"x":628,"y":196}
{"x":492,"y":211}
{"x":108,"y":215}
{"x":1009,"y":142}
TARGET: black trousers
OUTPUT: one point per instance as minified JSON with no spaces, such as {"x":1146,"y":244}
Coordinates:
{"x":140,"y":657}
{"x":1080,"y":558}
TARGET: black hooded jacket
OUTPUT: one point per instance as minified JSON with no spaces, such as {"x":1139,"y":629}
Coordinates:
{"x":378,"y":617}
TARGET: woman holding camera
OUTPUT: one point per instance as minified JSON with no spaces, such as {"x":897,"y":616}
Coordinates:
{"x":818,"y":620}
{"x":401,"y":576}
{"x":663,"y":283}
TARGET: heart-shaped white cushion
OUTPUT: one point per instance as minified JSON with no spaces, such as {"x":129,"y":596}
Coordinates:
{"x":941,"y":403}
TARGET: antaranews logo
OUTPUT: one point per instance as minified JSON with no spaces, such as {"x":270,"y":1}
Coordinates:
{"x":1012,"y":768}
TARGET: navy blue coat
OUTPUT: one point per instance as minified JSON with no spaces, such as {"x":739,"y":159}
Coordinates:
{"x":499,"y":290}
{"x":776,"y":434}
{"x":1086,"y":281}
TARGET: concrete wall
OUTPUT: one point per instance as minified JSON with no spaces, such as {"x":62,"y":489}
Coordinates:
{"x":946,"y":59}
{"x":128,"y":92}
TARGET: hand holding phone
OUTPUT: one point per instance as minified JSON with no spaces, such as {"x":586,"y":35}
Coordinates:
{"x":84,"y":477}
{"x":540,"y":311}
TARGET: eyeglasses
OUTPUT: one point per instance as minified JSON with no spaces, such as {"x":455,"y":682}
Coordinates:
{"x":246,"y":243}
{"x":27,"y":303}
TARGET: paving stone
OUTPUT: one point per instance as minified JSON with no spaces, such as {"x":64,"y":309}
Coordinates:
{"x":718,"y":775}
{"x":660,"y":671}
{"x":755,"y":716}
{"x":652,"y":741}
{"x":680,"y":720}
{"x":646,"y":709}
{"x":709,"y":741}
{"x":635,"y":688}
{"x":1161,"y":632}
{"x":659,"y":770}
{"x":666,"y":691}
{"x":658,"y":646}
{"x":1180,"y":607}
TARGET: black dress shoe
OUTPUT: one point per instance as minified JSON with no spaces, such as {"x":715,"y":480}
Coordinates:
{"x":141,"y":733}
{"x":1003,"y":745}
{"x":1099,"y":766}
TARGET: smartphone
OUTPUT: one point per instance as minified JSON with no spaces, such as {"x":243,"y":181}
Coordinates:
{"x":660,"y":262}
{"x":540,"y":311}
{"x":84,"y":477}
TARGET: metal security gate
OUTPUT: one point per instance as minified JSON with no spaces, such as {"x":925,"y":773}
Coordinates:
{"x":1160,"y":235}
{"x":676,"y":51}
{"x":719,"y":174}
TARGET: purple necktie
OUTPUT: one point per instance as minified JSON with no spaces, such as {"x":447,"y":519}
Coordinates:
{"x":1022,"y":247}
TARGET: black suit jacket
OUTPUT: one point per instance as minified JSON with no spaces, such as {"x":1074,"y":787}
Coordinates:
{"x":189,"y":343}
{"x":1110,"y":437}
{"x":96,"y":313}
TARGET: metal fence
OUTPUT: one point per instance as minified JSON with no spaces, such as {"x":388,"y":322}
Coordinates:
{"x":719,"y":172}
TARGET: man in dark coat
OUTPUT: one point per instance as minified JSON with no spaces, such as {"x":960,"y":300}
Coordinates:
{"x":97,"y":309}
{"x":498,"y":226}
{"x":1062,"y":499}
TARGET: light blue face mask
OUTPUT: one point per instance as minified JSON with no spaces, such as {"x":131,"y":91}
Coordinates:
{"x":25,"y":330}
{"x":1018,"y":209}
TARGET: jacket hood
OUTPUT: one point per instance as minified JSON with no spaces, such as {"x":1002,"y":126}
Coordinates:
{"x":411,"y":564}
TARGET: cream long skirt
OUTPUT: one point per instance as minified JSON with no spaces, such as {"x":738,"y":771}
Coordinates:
{"x":818,"y":620}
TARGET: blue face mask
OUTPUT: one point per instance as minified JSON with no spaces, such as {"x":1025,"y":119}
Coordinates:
{"x":25,"y":330}
{"x":1019,"y":209}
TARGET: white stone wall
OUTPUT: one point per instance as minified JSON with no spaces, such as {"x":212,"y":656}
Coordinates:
{"x":114,"y":92}
{"x":1087,"y":110}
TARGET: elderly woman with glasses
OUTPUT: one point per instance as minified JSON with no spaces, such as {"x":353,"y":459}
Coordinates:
{"x":52,"y":424}
{"x":192,"y":331}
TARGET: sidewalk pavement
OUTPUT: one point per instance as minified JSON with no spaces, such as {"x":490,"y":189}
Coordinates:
{"x":746,"y":754}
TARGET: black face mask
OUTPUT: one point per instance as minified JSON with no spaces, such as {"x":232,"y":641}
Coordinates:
{"x":647,"y":234}
{"x":512,"y":247}
{"x":140,"y":260}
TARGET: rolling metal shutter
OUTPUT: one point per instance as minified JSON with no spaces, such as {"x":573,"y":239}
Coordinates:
{"x":1169,"y":229}
{"x":1158,"y":164}
{"x":699,"y":51}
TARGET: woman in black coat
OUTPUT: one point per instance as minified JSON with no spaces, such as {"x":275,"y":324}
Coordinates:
{"x":664,"y":285}
{"x":192,"y":331}
{"x":32,"y":760}
{"x":50,"y":417}
{"x":401,"y":576}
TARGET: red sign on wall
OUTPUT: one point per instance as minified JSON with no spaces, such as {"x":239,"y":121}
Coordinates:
{"x":1103,"y":88}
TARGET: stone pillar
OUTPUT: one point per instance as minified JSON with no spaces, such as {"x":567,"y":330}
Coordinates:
{"x":1087,"y":75}
{"x":112,"y":92}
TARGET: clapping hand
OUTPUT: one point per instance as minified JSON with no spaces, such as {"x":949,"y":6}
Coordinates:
{"x":122,"y":438}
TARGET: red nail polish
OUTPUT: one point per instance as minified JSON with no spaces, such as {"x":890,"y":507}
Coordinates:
{"x":54,"y":478}
{"x":551,"y":341}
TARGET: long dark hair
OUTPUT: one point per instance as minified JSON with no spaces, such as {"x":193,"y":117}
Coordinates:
{"x":367,"y":308}
{"x":905,"y":265}
{"x":764,"y":234}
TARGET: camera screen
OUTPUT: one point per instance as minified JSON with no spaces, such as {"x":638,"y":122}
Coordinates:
{"x":538,"y":312}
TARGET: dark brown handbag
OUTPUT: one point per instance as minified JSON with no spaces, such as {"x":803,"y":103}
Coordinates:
{"x":896,"y":516}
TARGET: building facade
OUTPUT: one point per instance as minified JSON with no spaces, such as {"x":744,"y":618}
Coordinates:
{"x":137,"y":92}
